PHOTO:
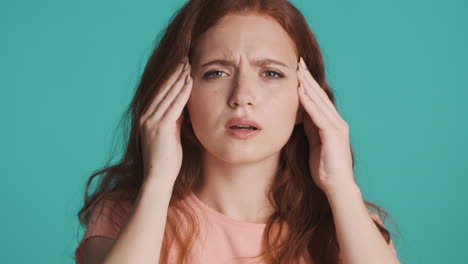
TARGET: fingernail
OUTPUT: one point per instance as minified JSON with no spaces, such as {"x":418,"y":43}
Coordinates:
{"x":301,"y":71}
{"x":303,"y":63}
{"x":187,"y":78}
{"x":186,"y":66}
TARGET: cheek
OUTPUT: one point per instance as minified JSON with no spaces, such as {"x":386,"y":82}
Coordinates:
{"x":283,"y":102}
{"x":201,"y":104}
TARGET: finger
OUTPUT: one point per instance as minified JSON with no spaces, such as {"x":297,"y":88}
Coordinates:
{"x":316,"y":87}
{"x":165,"y":88}
{"x":312,"y":131}
{"x":162,"y":93}
{"x":317,"y":115}
{"x":312,"y":90}
{"x":175,"y":110}
{"x":168,"y":100}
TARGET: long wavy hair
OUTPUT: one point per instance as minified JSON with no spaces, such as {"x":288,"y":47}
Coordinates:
{"x":299,"y":204}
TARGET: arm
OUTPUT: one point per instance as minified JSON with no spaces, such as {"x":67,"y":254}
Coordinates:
{"x":360,"y":240}
{"x":144,"y":231}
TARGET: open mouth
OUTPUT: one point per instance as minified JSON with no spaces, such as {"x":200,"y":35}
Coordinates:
{"x":243,"y":132}
{"x":244,"y":127}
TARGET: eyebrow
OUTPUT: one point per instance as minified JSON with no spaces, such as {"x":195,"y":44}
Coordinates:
{"x":256,"y":62}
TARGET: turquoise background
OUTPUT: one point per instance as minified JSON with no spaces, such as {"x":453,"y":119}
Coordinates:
{"x":68,"y":70}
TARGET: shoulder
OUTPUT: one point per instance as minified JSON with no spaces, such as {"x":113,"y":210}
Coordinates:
{"x":108,"y":214}
{"x":109,"y":210}
{"x":107,"y":219}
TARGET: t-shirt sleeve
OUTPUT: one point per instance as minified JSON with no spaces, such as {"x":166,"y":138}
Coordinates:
{"x":106,"y":220}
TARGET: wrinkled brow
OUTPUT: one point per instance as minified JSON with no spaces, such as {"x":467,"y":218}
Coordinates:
{"x":256,"y":62}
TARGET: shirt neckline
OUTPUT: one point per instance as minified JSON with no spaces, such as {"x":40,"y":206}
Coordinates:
{"x":224,"y":218}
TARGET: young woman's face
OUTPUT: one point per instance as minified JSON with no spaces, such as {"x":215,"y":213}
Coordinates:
{"x":241,"y":87}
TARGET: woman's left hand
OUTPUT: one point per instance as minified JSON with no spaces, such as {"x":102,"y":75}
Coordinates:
{"x":330,"y":160}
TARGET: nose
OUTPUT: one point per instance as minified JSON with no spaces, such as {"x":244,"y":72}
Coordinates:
{"x":242,"y":94}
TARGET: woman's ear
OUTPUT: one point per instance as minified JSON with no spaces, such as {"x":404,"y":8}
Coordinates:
{"x":299,"y":115}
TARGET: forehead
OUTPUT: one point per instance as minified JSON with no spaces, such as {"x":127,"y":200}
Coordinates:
{"x":249,"y":35}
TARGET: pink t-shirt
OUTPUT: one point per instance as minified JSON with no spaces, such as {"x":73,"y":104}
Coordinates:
{"x":222,"y":238}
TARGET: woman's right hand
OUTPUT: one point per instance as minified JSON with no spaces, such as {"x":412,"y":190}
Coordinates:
{"x":160,"y":126}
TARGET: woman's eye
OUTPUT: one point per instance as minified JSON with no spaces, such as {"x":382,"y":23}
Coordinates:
{"x":209,"y":74}
{"x":277,"y":74}
{"x":213,"y":74}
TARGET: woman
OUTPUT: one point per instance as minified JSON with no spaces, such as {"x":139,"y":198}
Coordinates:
{"x":235,"y":151}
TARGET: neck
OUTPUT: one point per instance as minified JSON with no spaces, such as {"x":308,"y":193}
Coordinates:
{"x":238,"y":190}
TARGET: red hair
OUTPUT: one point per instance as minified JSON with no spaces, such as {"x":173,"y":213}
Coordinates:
{"x":300,"y":205}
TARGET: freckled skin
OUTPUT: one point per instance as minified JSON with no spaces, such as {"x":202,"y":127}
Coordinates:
{"x":243,"y":88}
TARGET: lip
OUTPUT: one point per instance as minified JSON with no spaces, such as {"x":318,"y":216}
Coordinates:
{"x":242,"y":121}
{"x":239,"y":133}
{"x":242,"y":134}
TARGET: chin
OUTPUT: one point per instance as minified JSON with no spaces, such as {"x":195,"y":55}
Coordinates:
{"x":239,"y":154}
{"x":238,"y":151}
